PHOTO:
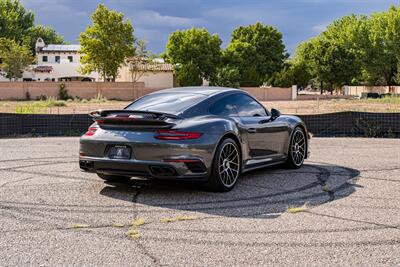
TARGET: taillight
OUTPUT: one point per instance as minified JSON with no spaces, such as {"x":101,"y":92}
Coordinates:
{"x":91,"y":131}
{"x":175,"y":135}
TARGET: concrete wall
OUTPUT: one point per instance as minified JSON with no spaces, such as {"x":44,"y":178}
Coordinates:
{"x":358,"y":90}
{"x":117,"y":90}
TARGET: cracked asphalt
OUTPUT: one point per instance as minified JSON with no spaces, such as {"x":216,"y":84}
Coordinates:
{"x":51,"y":214}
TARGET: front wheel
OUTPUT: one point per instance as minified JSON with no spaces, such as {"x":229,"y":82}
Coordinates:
{"x":226,"y":167}
{"x":297,"y":149}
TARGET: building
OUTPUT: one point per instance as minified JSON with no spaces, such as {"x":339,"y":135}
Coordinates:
{"x":57,"y":63}
{"x":154,"y":73}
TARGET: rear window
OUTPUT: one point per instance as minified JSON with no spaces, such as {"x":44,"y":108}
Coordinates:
{"x":172,"y":103}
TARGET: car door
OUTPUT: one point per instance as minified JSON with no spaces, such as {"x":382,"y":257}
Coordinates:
{"x":266,"y":135}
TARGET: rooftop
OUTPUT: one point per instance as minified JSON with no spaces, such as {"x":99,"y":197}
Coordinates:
{"x":61,"y":48}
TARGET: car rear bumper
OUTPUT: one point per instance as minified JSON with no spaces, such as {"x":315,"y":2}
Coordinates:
{"x":193,"y":170}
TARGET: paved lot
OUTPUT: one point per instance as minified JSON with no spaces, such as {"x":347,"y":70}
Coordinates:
{"x":351,"y":187}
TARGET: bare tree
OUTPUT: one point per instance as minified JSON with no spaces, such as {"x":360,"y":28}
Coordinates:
{"x":141,"y":63}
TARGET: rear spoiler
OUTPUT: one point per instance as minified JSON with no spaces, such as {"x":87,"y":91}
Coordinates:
{"x":104,"y":113}
{"x":132,"y":117}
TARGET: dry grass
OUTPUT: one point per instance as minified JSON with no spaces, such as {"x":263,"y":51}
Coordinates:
{"x":59,"y":107}
{"x":390,"y":104}
{"x":335,"y":105}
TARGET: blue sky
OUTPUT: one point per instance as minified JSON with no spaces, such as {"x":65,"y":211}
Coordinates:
{"x":154,"y":20}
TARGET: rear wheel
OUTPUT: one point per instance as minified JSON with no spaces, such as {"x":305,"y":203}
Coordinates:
{"x":226,"y":167}
{"x":113,"y":178}
{"x":297,"y":149}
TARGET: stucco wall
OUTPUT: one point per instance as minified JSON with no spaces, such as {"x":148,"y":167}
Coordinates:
{"x":158,"y":79}
{"x":19,"y":90}
{"x":270,"y":93}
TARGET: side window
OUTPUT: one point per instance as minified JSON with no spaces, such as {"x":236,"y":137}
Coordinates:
{"x":248,"y":107}
{"x":237,"y":105}
{"x":224,"y":107}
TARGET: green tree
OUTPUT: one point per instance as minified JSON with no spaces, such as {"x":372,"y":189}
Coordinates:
{"x":17,"y":23}
{"x":15,"y":20}
{"x":15,"y":58}
{"x":294,"y":73}
{"x":257,"y":51}
{"x":382,"y":57}
{"x":335,"y":57}
{"x":226,"y":76}
{"x":107,"y":43}
{"x":188,"y":75}
{"x":48,"y":34}
{"x":197,"y":51}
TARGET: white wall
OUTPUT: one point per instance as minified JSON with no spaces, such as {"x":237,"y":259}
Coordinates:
{"x":51,"y":57}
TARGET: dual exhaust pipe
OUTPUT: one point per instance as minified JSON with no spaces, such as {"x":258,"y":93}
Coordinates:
{"x":162,"y":171}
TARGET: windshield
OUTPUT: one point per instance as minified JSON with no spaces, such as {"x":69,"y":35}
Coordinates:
{"x":172,"y":103}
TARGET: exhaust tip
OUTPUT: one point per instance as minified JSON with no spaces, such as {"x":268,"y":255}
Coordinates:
{"x":86,"y":165}
{"x":162,"y":171}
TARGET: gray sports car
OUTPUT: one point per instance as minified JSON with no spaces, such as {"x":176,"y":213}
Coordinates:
{"x":210,"y":134}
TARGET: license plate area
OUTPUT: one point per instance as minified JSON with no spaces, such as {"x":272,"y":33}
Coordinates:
{"x":119,"y":152}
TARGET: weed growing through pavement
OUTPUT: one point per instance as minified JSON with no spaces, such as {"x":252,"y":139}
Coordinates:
{"x":80,"y":225}
{"x":292,"y":209}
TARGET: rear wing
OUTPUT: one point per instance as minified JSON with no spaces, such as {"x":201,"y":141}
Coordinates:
{"x":132,"y":118}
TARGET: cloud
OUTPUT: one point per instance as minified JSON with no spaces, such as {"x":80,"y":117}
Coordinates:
{"x":319,"y":28}
{"x":150,"y":18}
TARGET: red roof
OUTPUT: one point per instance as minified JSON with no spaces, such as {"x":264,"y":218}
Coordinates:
{"x":43,"y":69}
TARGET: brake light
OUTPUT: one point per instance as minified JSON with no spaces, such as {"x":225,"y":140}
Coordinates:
{"x":175,"y":135}
{"x":91,"y":131}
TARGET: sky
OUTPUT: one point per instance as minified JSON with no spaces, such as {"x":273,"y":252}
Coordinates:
{"x":154,"y":20}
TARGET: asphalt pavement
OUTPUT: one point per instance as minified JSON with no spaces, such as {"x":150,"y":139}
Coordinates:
{"x":341,"y":209}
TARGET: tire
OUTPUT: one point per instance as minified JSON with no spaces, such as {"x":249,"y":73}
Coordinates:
{"x":297,"y":149}
{"x":226,"y":167}
{"x":113,"y":178}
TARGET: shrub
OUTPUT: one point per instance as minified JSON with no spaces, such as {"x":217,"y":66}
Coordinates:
{"x":99,"y":99}
{"x":63,"y":92}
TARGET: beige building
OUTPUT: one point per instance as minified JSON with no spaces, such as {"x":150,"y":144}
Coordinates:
{"x":62,"y":63}
{"x":154,"y":74}
{"x":57,"y":63}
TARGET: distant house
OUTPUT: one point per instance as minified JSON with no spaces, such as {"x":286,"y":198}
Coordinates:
{"x":56,"y":62}
{"x":154,"y":74}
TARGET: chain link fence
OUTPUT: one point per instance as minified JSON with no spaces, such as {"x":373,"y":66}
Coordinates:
{"x":341,"y":124}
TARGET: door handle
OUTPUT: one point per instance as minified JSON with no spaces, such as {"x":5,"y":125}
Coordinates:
{"x":251,"y":130}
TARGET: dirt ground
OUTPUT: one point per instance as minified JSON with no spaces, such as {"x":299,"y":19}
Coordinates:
{"x":287,"y":107}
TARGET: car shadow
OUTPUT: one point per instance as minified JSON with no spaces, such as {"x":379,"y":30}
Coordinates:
{"x":264,"y":193}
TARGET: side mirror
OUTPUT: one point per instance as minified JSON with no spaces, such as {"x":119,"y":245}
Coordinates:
{"x":275,"y":113}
